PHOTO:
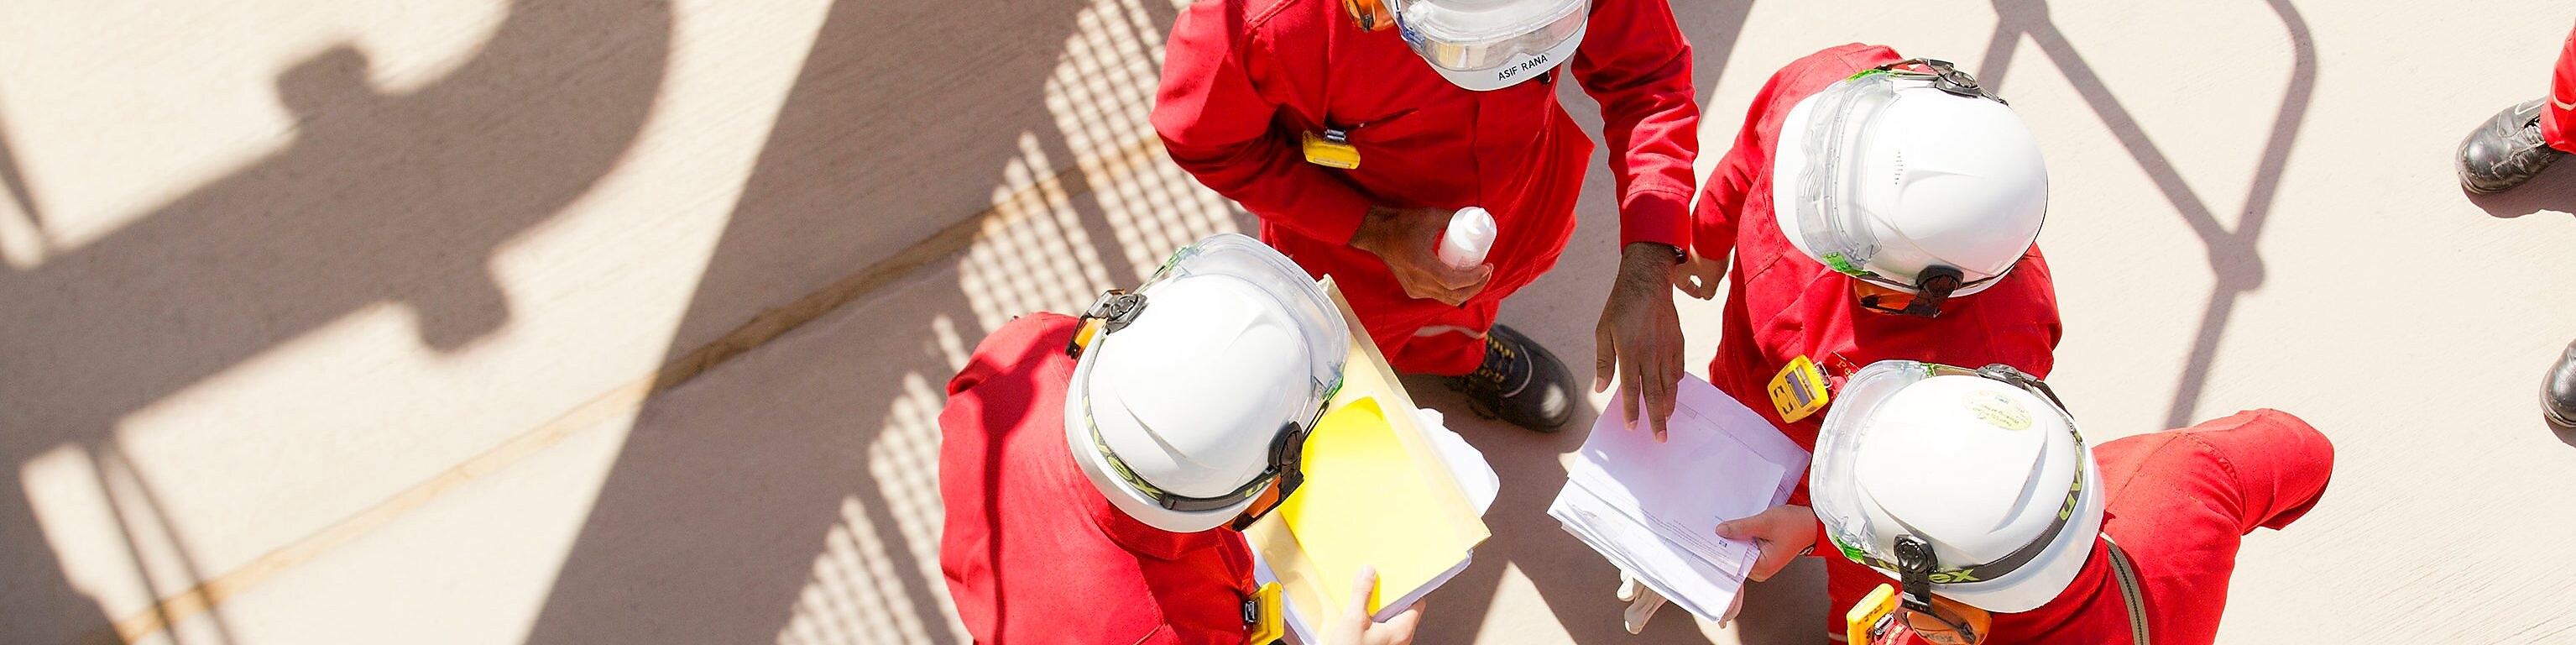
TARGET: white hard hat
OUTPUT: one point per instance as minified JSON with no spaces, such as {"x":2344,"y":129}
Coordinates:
{"x":1889,"y":174}
{"x":1973,"y":485}
{"x":1487,"y":45}
{"x":1201,"y":385}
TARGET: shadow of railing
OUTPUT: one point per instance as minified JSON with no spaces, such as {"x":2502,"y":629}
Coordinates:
{"x":14,"y":182}
{"x":2553,"y":190}
{"x":1573,"y":583}
{"x":378,"y":197}
{"x":2234,"y":257}
{"x":792,"y":495}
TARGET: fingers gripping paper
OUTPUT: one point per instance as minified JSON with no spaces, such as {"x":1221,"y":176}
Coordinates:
{"x":1653,"y":509}
{"x":1378,"y":492}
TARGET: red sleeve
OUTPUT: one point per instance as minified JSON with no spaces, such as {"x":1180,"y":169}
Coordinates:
{"x":2278,"y":463}
{"x":1722,"y":199}
{"x":1634,"y":61}
{"x":1216,"y":125}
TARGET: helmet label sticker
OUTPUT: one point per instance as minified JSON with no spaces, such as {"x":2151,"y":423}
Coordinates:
{"x":1526,"y":65}
{"x":1997,"y":411}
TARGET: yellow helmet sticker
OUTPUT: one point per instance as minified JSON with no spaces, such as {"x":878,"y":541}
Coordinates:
{"x":1997,"y":410}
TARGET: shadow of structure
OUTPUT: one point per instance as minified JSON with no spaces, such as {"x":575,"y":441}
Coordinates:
{"x":792,"y":496}
{"x":14,"y":181}
{"x":1574,"y":583}
{"x":2233,"y":254}
{"x":1788,"y":608}
{"x":2553,"y":190}
{"x":379,"y":198}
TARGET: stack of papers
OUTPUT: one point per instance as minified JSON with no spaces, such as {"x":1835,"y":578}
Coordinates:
{"x":1382,"y":489}
{"x":1475,"y":476}
{"x":1370,"y":499}
{"x":1653,"y":509}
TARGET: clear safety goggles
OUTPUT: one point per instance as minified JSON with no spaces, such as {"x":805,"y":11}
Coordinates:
{"x":1462,"y":52}
{"x":1227,"y":255}
{"x":1287,"y":468}
{"x":1836,"y":228}
{"x":1837,"y":456}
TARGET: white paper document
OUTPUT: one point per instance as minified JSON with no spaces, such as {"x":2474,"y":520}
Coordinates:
{"x":1652,"y":508}
{"x":1475,"y":476}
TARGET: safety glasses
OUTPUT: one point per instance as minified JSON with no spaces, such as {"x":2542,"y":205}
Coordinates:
{"x":1947,"y":623}
{"x":1287,"y":450}
{"x":1931,"y":289}
{"x":1458,"y":52}
{"x":1835,"y":229}
{"x":1111,"y":312}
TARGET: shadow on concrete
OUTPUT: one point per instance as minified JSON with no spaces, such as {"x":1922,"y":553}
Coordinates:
{"x":1789,"y":608}
{"x":14,"y":181}
{"x":2553,"y":190}
{"x":721,"y":523}
{"x":379,"y":198}
{"x":1576,"y":585}
{"x":2233,"y":254}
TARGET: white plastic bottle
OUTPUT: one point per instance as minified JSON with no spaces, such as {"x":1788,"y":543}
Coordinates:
{"x":1470,"y":235}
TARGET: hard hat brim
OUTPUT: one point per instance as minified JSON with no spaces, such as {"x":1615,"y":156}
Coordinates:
{"x":1513,"y":71}
{"x":1095,"y":466}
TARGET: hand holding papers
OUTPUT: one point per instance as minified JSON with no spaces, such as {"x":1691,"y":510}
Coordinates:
{"x":1653,"y":509}
{"x":1371,"y":499}
{"x":1385,"y":488}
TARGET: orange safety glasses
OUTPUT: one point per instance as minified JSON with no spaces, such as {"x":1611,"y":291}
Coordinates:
{"x":1950,"y":623}
{"x":1885,"y":300}
{"x":1371,"y":15}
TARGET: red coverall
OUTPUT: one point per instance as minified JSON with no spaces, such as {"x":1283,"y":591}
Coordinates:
{"x":2558,"y":127}
{"x":1032,"y":552}
{"x":2180,"y":504}
{"x":1782,"y":304}
{"x":1243,"y":80}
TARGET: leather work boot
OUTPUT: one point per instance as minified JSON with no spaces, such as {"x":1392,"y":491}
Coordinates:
{"x":2558,"y":390}
{"x":2506,"y":151}
{"x":1520,"y":382}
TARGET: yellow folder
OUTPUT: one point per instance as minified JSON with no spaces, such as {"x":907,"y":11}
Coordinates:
{"x":1375,"y":494}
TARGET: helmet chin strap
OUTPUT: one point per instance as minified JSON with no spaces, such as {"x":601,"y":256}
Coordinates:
{"x":1914,"y":562}
{"x":1935,"y":284}
{"x":1947,"y":78}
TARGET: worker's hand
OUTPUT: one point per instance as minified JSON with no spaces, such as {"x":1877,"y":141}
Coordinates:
{"x":1408,"y":240}
{"x":1639,"y":338}
{"x":1356,"y":628}
{"x":1698,"y":276}
{"x":1784,"y":532}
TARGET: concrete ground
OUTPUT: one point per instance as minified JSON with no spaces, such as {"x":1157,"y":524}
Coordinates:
{"x":612,"y":321}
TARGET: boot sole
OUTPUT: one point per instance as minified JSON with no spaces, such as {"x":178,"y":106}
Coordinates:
{"x":2549,"y":414}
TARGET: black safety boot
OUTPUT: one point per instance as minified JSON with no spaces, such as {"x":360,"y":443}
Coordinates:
{"x":2558,"y":390}
{"x":1519,"y":382}
{"x":2507,"y":150}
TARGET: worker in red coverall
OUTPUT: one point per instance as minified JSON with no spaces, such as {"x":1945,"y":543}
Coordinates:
{"x":1354,"y":129}
{"x":1924,"y":472}
{"x":2507,"y":151}
{"x":1095,"y":470}
{"x":1929,"y":256}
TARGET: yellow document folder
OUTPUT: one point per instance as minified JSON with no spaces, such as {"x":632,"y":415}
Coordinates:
{"x":1376,"y":494}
